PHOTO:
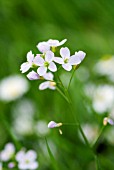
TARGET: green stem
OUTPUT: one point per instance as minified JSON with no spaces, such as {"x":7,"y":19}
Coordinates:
{"x":71,"y":79}
{"x":94,"y":145}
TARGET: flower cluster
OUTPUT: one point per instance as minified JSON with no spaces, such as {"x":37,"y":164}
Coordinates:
{"x":22,"y":160}
{"x":45,"y":64}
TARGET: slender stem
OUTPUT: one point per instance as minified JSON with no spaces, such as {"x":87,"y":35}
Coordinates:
{"x":62,"y":94}
{"x":71,"y":79}
{"x":94,"y":145}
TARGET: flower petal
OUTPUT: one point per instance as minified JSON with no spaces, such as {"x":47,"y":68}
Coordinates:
{"x":59,"y":60}
{"x":74,"y":60}
{"x":33,"y":165}
{"x":67,"y":66}
{"x":53,"y":43}
{"x":33,"y":75}
{"x":44,"y":85}
{"x":42,"y":70}
{"x":80,"y":54}
{"x":25,"y":67}
{"x":31,"y":155}
{"x":39,"y":61}
{"x":65,"y":52}
{"x":52,"y":124}
{"x":62,"y":42}
{"x":49,"y":56}
{"x":43,"y":46}
{"x":30,"y":57}
{"x":48,"y":76}
{"x":52,"y":67}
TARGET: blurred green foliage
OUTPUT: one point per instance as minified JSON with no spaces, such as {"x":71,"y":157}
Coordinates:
{"x":89,"y":26}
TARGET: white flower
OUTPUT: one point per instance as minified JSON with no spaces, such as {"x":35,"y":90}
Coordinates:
{"x":105,"y":67}
{"x":53,"y":124}
{"x":49,"y":83}
{"x":67,"y":61}
{"x":27,"y":65}
{"x":103,"y":98}
{"x":27,"y":160}
{"x":8,"y":152}
{"x":13,"y":87}
{"x":46,"y":45}
{"x":46,"y":63}
{"x":33,"y":75}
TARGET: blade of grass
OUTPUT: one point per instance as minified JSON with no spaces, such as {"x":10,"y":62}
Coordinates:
{"x":53,"y":161}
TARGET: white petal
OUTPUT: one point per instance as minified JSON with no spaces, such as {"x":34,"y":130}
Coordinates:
{"x":59,"y":60}
{"x":25,"y":67}
{"x":30,"y":57}
{"x":53,"y":43}
{"x":67,"y":66}
{"x":49,"y":56}
{"x":52,"y":67}
{"x":33,"y":75}
{"x":80,"y":54}
{"x":20,"y":156}
{"x":23,"y":165}
{"x":31,"y":155}
{"x":39,"y":61}
{"x":52,"y":87}
{"x":65,"y":52}
{"x":44,"y":85}
{"x":42,"y":70}
{"x":74,"y":60}
{"x":43,"y":47}
{"x":48,"y":76}
{"x":33,"y":165}
{"x":52,"y":124}
{"x":62,"y":42}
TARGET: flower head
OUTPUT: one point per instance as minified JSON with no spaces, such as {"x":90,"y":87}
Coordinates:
{"x":27,"y":160}
{"x":8,"y":152}
{"x":53,"y":124}
{"x":27,"y":65}
{"x":13,"y":87}
{"x":45,"y":63}
{"x":67,"y":61}
{"x":46,"y":45}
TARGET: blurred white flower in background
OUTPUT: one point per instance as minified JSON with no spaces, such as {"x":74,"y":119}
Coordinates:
{"x":13,"y":87}
{"x":41,"y":128}
{"x":90,"y":131}
{"x":103,"y":98}
{"x":27,"y":160}
{"x":8,"y":152}
{"x":23,"y":115}
{"x":105,"y":67}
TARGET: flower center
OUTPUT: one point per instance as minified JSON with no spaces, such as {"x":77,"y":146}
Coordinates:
{"x":46,"y":64}
{"x":66,"y":60}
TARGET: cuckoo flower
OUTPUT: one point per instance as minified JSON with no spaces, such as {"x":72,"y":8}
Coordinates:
{"x":27,"y":65}
{"x":53,"y":124}
{"x":67,"y":61}
{"x":46,"y":45}
{"x":27,"y":160}
{"x":45,"y":63}
{"x":49,"y":83}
